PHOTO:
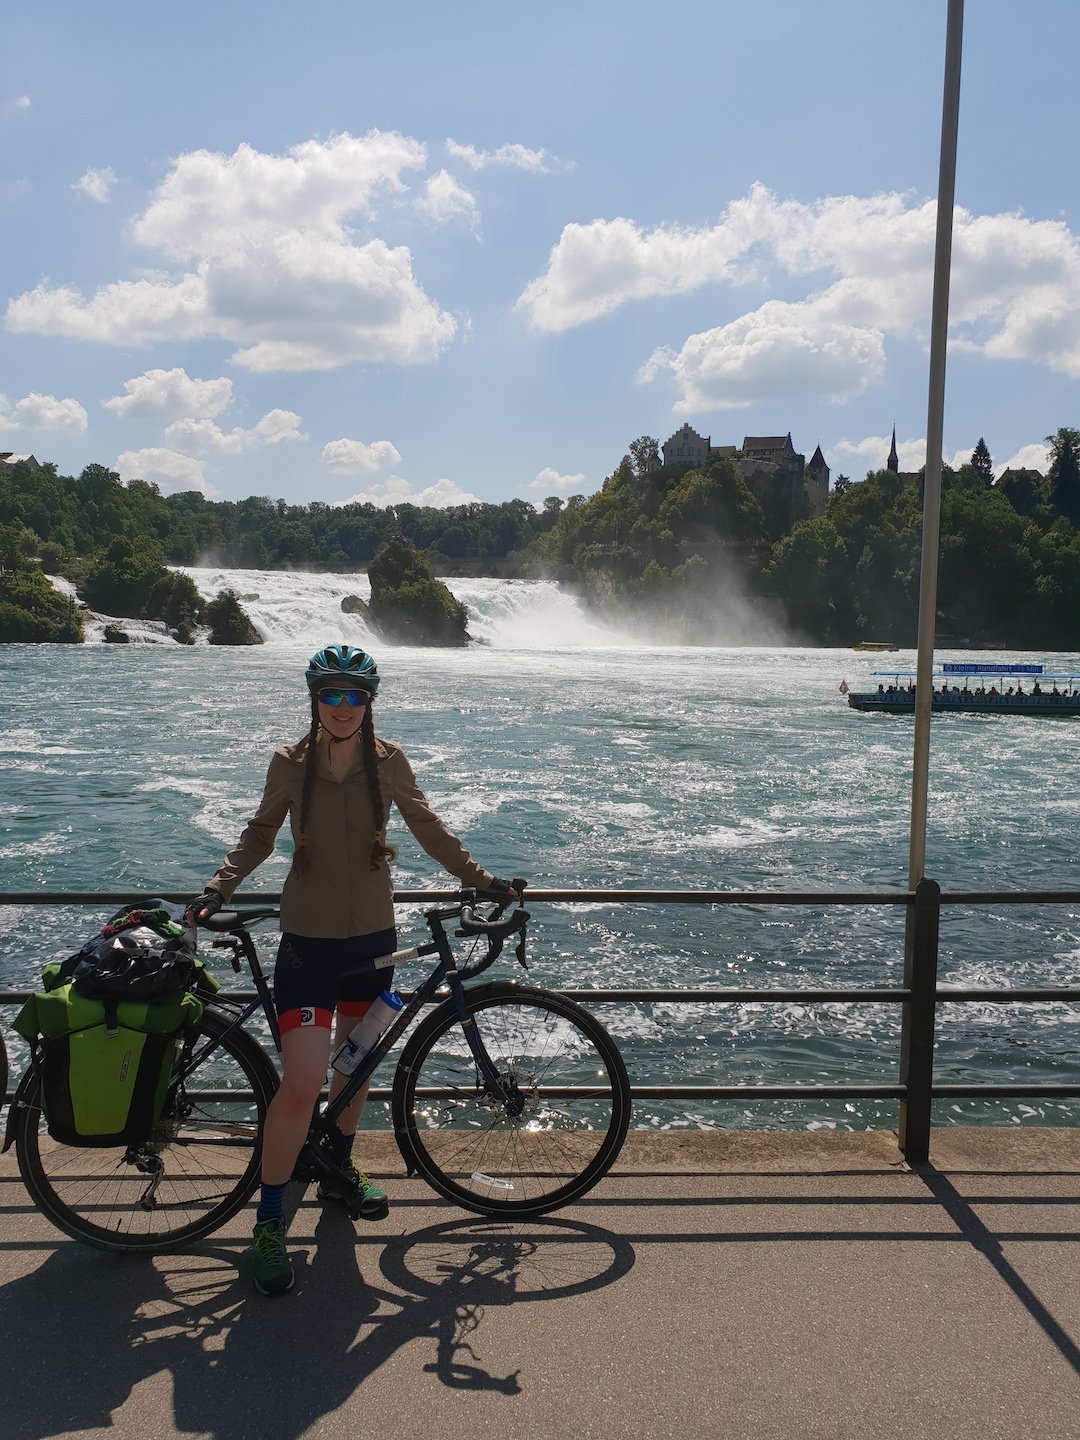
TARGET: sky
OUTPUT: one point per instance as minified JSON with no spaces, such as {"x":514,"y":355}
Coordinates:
{"x":446,"y":252}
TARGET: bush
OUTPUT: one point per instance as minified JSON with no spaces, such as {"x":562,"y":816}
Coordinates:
{"x":32,"y":612}
{"x":229,"y":625}
{"x":407,"y":602}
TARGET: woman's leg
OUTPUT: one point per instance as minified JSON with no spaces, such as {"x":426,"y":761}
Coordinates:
{"x":304,"y":1053}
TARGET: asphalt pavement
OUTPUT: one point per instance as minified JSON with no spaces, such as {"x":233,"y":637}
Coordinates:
{"x":746,"y":1286}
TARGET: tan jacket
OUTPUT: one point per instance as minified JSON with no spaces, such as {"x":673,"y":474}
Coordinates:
{"x":339,"y":894}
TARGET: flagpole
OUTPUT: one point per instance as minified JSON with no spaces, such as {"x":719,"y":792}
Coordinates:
{"x":939,"y":325}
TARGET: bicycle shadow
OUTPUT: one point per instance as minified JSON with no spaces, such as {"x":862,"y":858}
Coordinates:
{"x":241,"y":1366}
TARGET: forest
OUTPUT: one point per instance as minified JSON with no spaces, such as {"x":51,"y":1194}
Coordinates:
{"x":660,"y":544}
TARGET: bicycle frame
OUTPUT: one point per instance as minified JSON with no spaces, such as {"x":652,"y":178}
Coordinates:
{"x":445,"y":973}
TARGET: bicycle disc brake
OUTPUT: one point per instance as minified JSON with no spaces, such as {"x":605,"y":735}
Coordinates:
{"x":514,"y":1096}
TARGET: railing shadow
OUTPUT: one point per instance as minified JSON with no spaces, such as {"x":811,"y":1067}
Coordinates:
{"x":982,"y":1238}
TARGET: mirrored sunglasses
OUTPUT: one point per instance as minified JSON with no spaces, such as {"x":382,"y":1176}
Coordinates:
{"x":353,"y":698}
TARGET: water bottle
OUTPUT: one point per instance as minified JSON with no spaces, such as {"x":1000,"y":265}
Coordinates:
{"x":367,"y":1032}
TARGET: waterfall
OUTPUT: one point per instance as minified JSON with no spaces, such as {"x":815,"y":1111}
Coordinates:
{"x":293,"y":607}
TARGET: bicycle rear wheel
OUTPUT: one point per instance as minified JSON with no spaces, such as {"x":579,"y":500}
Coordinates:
{"x":197,"y":1169}
{"x":547,"y":1143}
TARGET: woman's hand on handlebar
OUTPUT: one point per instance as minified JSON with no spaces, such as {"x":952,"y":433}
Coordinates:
{"x":202,"y":907}
{"x":503,"y":892}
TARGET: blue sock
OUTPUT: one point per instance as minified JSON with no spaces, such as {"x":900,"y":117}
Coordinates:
{"x":341,"y":1147}
{"x":271,"y":1203}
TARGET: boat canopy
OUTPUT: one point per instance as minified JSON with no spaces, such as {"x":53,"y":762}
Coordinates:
{"x":952,"y":672}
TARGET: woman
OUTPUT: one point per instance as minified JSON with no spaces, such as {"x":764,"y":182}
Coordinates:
{"x":336,"y":786}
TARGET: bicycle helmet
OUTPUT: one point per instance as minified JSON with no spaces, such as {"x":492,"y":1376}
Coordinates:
{"x":342,"y":665}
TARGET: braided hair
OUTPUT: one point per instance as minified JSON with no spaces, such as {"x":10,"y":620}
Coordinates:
{"x":379,"y":849}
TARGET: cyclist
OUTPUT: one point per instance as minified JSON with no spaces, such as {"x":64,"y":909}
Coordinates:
{"x":336,"y":786}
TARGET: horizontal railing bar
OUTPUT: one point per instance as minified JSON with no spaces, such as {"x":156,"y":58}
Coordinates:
{"x":1010,"y":897}
{"x":1004,"y":1091}
{"x":964,"y":994}
{"x":725,"y":1092}
{"x":953,"y":994}
{"x":592,"y":897}
{"x":580,"y":897}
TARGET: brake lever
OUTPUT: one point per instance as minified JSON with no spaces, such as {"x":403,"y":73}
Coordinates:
{"x":519,"y":950}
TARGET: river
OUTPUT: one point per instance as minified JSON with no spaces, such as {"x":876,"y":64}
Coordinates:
{"x":585,"y":758}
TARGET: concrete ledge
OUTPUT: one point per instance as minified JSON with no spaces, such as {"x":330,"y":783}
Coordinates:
{"x":777,"y":1152}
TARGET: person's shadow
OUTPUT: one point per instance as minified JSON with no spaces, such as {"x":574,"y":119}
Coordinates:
{"x":85,"y":1328}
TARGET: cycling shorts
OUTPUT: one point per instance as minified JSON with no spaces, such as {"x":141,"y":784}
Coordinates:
{"x":308,"y":981}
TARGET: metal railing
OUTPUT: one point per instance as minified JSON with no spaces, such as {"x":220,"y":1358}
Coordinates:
{"x":918,"y":997}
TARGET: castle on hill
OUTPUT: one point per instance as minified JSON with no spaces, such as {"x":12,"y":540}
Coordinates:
{"x":784,"y":483}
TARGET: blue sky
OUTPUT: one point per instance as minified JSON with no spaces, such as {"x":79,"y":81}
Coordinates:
{"x":441,"y":252}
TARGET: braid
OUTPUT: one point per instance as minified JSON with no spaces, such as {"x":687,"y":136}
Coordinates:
{"x":301,"y":859}
{"x":379,"y":850}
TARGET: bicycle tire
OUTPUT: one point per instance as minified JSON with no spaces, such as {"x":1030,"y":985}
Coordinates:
{"x":103,"y":1198}
{"x":571,"y":1088}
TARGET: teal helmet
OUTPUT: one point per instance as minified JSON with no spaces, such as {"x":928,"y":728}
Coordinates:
{"x":342,"y":665}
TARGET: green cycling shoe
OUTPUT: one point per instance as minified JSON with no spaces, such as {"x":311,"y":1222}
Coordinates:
{"x":361,"y":1198}
{"x":268,"y":1260}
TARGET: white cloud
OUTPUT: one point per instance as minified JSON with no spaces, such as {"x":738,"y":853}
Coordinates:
{"x":396,"y":491}
{"x":96,"y":184}
{"x":171,"y":393}
{"x":873,"y":451}
{"x":21,"y":102}
{"x":1015,"y":291}
{"x":516,"y":156}
{"x":1028,"y":457}
{"x":550,"y":482}
{"x":353,"y":456}
{"x":444,"y":200}
{"x":595,"y":268}
{"x":204,"y":437}
{"x":779,"y":348}
{"x":167,"y":469}
{"x":131,"y":312}
{"x":273,"y":268}
{"x":42,"y":412}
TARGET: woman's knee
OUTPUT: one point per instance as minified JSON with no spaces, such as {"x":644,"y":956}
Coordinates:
{"x":299,"y":1091}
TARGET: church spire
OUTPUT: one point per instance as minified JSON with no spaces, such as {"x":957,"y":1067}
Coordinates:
{"x":893,"y":462}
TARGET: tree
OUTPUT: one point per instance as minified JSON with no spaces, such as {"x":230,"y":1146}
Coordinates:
{"x":408,"y":604}
{"x":644,"y":455}
{"x":1025,"y":490}
{"x":1063,"y":477}
{"x":982,"y":464}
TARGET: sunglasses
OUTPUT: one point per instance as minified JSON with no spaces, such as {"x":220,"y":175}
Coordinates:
{"x":353,"y":698}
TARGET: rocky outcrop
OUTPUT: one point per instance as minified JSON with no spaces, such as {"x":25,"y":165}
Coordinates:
{"x":408,"y":604}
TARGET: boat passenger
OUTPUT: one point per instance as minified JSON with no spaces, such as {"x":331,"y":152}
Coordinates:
{"x":1036,"y":689}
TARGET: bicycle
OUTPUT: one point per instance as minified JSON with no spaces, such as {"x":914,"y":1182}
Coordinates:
{"x":507,"y":1099}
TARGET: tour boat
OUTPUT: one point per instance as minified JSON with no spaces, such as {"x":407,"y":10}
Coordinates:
{"x":974,"y":689}
{"x":873,"y":646}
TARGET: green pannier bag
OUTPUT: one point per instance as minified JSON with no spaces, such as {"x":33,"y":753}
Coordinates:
{"x":107,"y":1031}
{"x":105,"y":1083}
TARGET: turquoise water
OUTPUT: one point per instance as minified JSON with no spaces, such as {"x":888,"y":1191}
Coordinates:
{"x":582,"y":760}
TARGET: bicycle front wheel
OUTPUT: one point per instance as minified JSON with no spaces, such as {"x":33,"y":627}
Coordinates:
{"x":196,"y":1170}
{"x":548,"y":1133}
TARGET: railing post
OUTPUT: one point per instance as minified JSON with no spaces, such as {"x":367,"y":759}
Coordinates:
{"x":917,"y":1029}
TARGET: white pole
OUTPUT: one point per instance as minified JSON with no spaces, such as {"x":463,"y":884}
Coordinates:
{"x":939,"y":325}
